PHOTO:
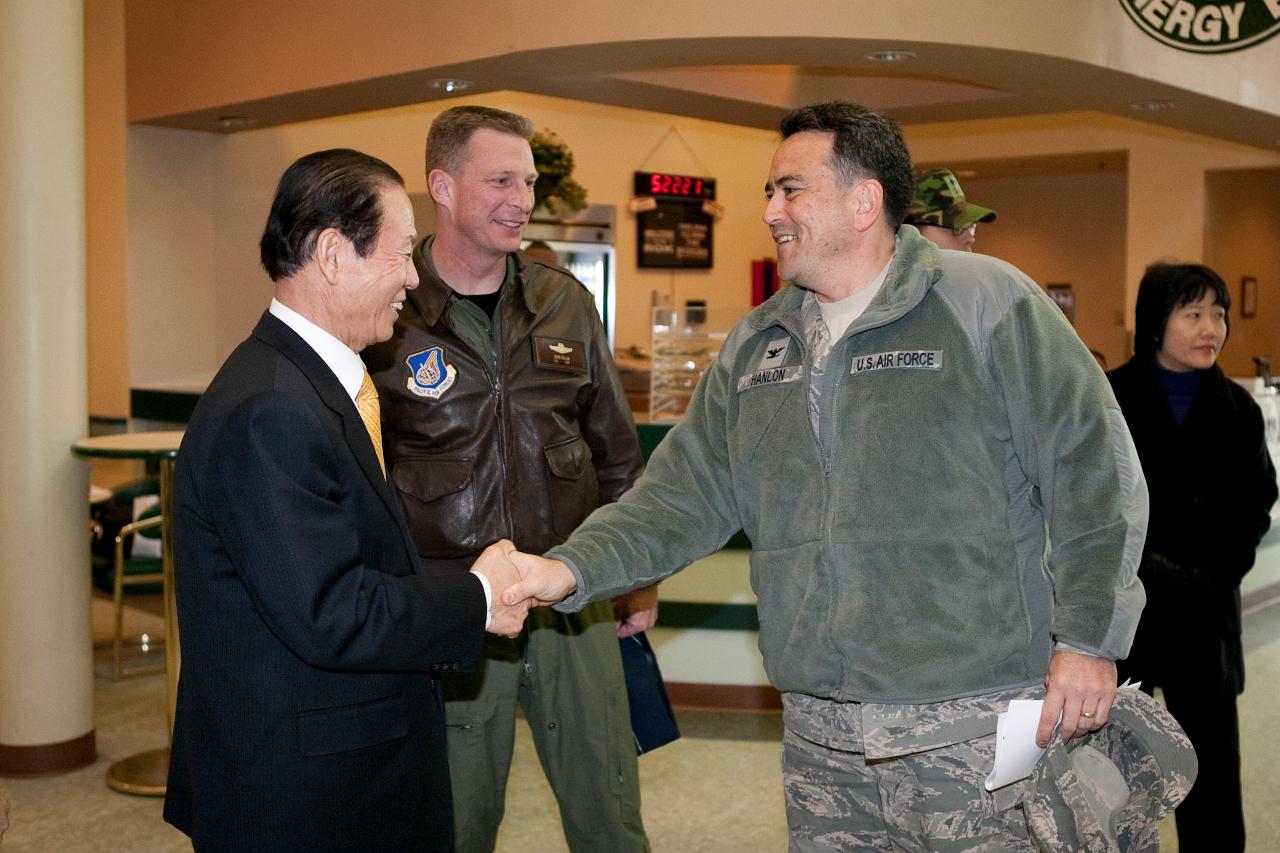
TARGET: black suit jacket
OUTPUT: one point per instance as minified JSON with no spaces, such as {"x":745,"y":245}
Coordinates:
{"x":306,"y":719}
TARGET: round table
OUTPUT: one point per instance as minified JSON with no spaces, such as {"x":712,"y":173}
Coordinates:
{"x":146,"y":773}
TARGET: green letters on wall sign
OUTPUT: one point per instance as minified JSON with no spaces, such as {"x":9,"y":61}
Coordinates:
{"x":1203,"y":26}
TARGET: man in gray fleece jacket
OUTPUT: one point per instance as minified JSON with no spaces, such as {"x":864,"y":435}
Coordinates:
{"x":946,"y":512}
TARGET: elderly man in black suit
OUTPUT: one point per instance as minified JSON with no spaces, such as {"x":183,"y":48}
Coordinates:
{"x":309,"y":713}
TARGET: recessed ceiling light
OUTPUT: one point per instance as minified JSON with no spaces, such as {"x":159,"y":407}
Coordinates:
{"x":1152,"y":105}
{"x":891,"y":55}
{"x":449,"y":85}
{"x":235,"y":122}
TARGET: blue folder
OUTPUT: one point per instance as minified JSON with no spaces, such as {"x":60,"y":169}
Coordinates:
{"x":653,"y":723}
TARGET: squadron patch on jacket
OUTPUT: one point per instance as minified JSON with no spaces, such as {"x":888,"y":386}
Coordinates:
{"x":907,"y":359}
{"x":560,"y":354}
{"x":429,"y":375}
{"x":771,"y":369}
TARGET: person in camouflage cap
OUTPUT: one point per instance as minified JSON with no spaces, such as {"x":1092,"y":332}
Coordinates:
{"x":942,"y":214}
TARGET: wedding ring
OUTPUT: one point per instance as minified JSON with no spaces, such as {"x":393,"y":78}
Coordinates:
{"x":1088,"y":715}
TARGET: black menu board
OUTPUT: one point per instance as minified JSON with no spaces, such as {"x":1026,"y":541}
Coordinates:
{"x":675,"y":232}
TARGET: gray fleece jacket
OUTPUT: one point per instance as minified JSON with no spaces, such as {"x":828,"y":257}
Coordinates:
{"x":971,"y":495}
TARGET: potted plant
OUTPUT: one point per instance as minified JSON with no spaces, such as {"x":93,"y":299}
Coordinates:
{"x":555,"y":186}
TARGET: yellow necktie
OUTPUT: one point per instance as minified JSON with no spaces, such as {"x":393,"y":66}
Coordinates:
{"x":367,"y":404}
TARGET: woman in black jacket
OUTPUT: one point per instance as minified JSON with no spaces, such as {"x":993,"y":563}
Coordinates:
{"x":1201,"y":442}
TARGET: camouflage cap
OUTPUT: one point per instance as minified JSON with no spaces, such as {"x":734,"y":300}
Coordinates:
{"x":938,"y":200}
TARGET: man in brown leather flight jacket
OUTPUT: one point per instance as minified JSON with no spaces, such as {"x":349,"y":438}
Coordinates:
{"x":503,"y":417}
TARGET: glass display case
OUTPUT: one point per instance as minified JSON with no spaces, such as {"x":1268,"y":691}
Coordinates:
{"x":685,"y":342}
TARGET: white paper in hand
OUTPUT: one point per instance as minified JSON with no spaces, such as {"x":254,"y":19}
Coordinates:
{"x":1016,"y":751}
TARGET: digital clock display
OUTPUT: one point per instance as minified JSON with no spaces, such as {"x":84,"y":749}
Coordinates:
{"x":677,"y":186}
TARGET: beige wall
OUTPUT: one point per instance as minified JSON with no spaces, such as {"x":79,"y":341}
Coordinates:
{"x":198,"y":201}
{"x":174,"y":286}
{"x":105,"y":209}
{"x":1166,"y":198}
{"x":1064,"y":228}
{"x":1243,"y":239}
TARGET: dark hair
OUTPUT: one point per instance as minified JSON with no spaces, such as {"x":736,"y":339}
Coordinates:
{"x":1165,"y":288}
{"x":338,"y":188}
{"x":452,"y":130}
{"x":866,"y":145}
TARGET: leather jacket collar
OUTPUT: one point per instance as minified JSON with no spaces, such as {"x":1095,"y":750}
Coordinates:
{"x":432,"y":294}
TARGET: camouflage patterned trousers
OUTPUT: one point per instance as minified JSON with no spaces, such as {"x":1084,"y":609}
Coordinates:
{"x":1100,"y":793}
{"x":839,"y":800}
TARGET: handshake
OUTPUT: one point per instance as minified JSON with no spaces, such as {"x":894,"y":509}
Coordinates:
{"x":519,"y":581}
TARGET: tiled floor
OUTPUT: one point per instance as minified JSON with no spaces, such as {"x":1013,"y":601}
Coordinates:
{"x":716,"y":789}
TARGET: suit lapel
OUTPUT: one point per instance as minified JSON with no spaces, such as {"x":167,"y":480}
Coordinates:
{"x":273,"y":332}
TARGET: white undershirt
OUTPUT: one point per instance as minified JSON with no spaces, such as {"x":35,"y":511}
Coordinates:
{"x":839,"y":315}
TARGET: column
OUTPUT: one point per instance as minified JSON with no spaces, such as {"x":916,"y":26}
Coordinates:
{"x":46,"y":655}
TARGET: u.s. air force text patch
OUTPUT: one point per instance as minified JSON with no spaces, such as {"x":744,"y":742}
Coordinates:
{"x":429,"y":375}
{"x":907,"y":359}
{"x":771,"y":368}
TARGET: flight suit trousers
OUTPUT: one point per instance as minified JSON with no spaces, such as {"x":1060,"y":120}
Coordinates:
{"x":565,"y":672}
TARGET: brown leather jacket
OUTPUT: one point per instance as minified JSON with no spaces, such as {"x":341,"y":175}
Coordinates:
{"x":525,"y":455}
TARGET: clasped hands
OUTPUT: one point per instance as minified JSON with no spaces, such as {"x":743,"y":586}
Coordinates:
{"x":519,"y":581}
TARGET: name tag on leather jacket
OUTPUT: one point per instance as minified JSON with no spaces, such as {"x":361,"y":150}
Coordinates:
{"x":560,"y":354}
{"x":921,"y":359}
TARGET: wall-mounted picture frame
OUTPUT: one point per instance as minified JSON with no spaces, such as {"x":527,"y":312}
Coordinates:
{"x":1248,"y":296}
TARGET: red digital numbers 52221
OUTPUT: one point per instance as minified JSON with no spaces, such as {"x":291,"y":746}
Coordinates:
{"x":674,"y":185}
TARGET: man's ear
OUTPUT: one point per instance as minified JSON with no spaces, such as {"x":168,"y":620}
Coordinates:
{"x":868,"y":203}
{"x":440,"y":184}
{"x":328,"y":254}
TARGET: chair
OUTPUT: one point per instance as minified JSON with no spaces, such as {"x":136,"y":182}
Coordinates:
{"x":142,"y":574}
